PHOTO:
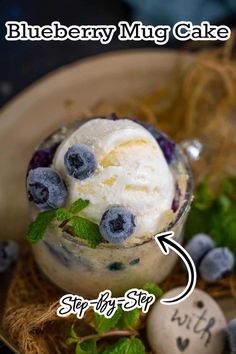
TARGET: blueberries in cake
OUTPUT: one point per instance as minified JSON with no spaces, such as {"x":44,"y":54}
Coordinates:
{"x":134,"y":261}
{"x":216,"y":264}
{"x":9,"y":252}
{"x":199,"y":246}
{"x":167,"y":146}
{"x":59,"y":254}
{"x":176,"y":200}
{"x":43,"y":157}
{"x":115,"y":266}
{"x":80,"y":161}
{"x":46,"y":188}
{"x":113,"y":116}
{"x":117,"y":224}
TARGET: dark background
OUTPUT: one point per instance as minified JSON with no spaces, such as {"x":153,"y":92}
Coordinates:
{"x":21,"y":63}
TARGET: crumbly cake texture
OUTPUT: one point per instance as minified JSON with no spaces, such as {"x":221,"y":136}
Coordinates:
{"x":32,"y":302}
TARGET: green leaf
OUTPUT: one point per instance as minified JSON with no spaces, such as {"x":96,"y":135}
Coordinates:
{"x":63,"y":214}
{"x":89,"y":346}
{"x":103,"y":324}
{"x":78,"y":205}
{"x":79,"y":350}
{"x":223,"y":202}
{"x":223,"y":228}
{"x":87,"y":230}
{"x":71,"y":340}
{"x":39,"y":226}
{"x":130,"y":345}
{"x":229,"y":186}
{"x":198,"y":221}
{"x":72,"y":332}
{"x":204,"y":196}
{"x":129,"y":319}
{"x":153,"y":289}
{"x":218,"y":218}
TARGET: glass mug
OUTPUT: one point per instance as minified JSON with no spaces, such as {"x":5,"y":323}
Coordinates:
{"x":80,"y":269}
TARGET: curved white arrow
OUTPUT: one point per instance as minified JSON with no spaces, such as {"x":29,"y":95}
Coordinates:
{"x":166,"y":242}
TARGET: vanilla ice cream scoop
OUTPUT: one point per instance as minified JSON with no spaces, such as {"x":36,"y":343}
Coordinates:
{"x":131,"y":172}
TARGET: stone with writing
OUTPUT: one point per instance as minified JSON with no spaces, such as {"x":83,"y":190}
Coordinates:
{"x":194,"y":326}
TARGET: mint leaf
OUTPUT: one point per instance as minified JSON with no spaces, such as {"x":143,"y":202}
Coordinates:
{"x":78,"y":205}
{"x":198,"y":221}
{"x":89,"y":346}
{"x":204,"y":196}
{"x":87,"y":230}
{"x":79,"y":350}
{"x":153,"y":289}
{"x":72,"y":332}
{"x":63,"y":214}
{"x":223,"y":228}
{"x":39,"y":226}
{"x":223,"y":202}
{"x":71,"y":340}
{"x":73,"y":336}
{"x":229,"y":187}
{"x":103,"y":324}
{"x":130,"y":345}
{"x":129,"y":319}
{"x":217,"y":217}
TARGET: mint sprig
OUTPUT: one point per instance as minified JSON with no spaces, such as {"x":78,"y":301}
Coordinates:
{"x":214,"y":214}
{"x":87,"y":347}
{"x":153,"y":289}
{"x":63,"y":214}
{"x":78,"y":205}
{"x":123,"y":324}
{"x":39,"y":226}
{"x":103,"y":324}
{"x":81,"y":227}
{"x":129,"y":319}
{"x":130,"y":345}
{"x":87,"y":230}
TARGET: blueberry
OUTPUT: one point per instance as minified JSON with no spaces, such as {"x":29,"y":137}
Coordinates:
{"x":43,"y":157}
{"x":134,"y":261}
{"x":116,"y":266}
{"x":117,"y":224}
{"x":198,"y":247}
{"x":217,"y":263}
{"x":112,"y":116}
{"x":80,"y":161}
{"x":9,"y":252}
{"x":46,"y":188}
{"x":167,"y":146}
{"x":176,"y":200}
{"x":231,"y":334}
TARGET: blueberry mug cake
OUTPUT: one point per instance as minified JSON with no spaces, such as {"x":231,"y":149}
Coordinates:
{"x":99,"y":190}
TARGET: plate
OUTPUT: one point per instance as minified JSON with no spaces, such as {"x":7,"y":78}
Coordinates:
{"x":43,"y":107}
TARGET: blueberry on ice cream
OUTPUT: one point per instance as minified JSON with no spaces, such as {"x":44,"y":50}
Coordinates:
{"x":46,"y":188}
{"x":118,"y":163}
{"x":117,"y":224}
{"x":132,"y":183}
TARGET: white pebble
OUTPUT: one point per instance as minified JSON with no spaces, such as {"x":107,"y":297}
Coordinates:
{"x":194,"y":326}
